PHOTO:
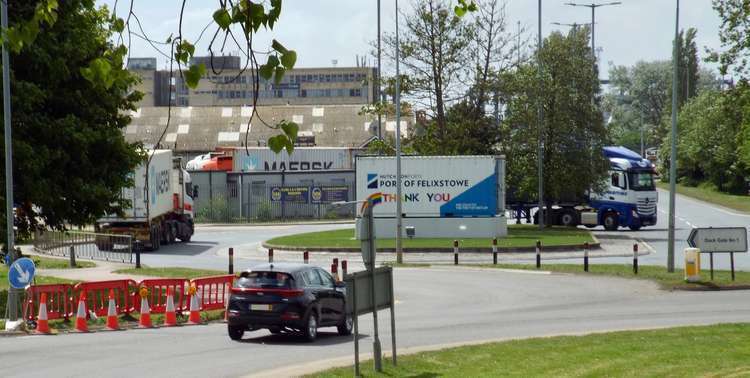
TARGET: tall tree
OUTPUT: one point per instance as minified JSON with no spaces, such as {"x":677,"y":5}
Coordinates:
{"x":433,"y":47}
{"x":687,"y":66}
{"x":573,"y":127}
{"x":70,"y":158}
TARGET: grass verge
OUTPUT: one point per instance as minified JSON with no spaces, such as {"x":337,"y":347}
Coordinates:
{"x":518,"y":236}
{"x":709,"y":193}
{"x":171,"y":272}
{"x":674,"y":352}
{"x":668,"y":281}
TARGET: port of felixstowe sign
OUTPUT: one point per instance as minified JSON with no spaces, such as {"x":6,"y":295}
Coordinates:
{"x":432,"y":186}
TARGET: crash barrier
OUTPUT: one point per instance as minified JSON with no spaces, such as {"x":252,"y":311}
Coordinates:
{"x":213,"y":292}
{"x":87,"y":245}
{"x":157,"y":294}
{"x":59,"y":302}
{"x":97,"y":295}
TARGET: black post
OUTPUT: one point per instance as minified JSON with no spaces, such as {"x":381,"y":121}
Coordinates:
{"x":231,"y":260}
{"x":538,"y":254}
{"x":635,"y":258}
{"x":270,"y":255}
{"x":494,"y":251}
{"x":731,"y":261}
{"x":711,"y":254}
{"x":586,"y":256}
{"x":306,"y":257}
{"x":137,"y":247}
{"x":455,"y":252}
{"x":72,"y":256}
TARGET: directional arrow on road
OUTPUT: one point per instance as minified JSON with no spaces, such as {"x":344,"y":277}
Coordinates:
{"x":719,"y":239}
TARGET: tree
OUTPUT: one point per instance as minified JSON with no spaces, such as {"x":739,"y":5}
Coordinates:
{"x":466,"y":133}
{"x":70,"y":155}
{"x":433,"y":48}
{"x":573,"y":128}
{"x":687,"y":67}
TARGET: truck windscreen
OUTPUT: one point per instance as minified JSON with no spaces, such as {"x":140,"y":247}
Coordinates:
{"x":641,"y":181}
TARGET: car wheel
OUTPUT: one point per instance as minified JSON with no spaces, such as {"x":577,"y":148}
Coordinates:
{"x":568,"y":219}
{"x":311,"y":329}
{"x":235,"y":332}
{"x":611,"y":223}
{"x":345,"y":328}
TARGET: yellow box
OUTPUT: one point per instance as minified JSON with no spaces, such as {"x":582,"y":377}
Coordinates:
{"x":692,"y":264}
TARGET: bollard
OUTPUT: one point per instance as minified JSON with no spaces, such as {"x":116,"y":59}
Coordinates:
{"x":270,"y":255}
{"x":455,"y":252}
{"x":138,"y":247}
{"x":231,"y":260}
{"x":344,"y":269}
{"x":494,"y":251}
{"x":334,"y":272}
{"x":336,"y":262}
{"x":586,"y":256}
{"x":538,"y":254}
{"x":306,"y":257}
{"x":72,"y":257}
{"x":635,"y":258}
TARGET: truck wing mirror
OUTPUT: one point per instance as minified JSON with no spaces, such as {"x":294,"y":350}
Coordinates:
{"x":195,"y":191}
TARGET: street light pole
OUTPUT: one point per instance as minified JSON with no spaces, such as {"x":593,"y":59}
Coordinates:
{"x":377,"y":79}
{"x":593,"y":7}
{"x":12,"y":293}
{"x":540,"y":141}
{"x":399,"y":225}
{"x":673,"y":152}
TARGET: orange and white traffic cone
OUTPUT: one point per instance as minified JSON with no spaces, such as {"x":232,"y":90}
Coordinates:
{"x":112,"y":323}
{"x":170,"y":317}
{"x":145,"y":319}
{"x":81,"y":325}
{"x":195,"y":312}
{"x":42,"y":326}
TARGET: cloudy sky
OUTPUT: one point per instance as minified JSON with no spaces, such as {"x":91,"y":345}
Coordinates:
{"x":323,"y":30}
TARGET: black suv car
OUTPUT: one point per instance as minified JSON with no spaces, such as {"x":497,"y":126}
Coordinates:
{"x":287,"y":296}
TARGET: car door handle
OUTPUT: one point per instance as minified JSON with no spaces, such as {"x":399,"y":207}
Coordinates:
{"x":612,"y":198}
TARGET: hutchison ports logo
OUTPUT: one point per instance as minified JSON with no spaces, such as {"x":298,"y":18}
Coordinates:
{"x":372,"y":181}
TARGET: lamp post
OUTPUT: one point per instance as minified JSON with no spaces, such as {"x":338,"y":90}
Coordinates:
{"x":399,"y":225}
{"x":540,"y":117}
{"x":593,"y":7}
{"x":673,"y":152}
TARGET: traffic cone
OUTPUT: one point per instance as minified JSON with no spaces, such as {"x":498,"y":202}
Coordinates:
{"x":170,"y":317}
{"x":195,"y":311}
{"x":81,"y":325}
{"x":42,"y":326}
{"x":145,"y":319}
{"x":112,"y":323}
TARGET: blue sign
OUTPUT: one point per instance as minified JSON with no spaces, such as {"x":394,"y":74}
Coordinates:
{"x":329,"y":194}
{"x":21,"y":273}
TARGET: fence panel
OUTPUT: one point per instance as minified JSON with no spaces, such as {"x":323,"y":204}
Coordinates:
{"x":213,"y":291}
{"x":97,"y":295}
{"x":157,"y":294}
{"x":59,"y":301}
{"x":87,"y":245}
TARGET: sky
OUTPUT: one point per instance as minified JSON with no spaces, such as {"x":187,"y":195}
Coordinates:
{"x":325,"y":30}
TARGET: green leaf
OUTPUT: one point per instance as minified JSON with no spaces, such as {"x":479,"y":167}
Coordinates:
{"x":278,"y":75}
{"x":276,"y":45}
{"x":290,"y":129}
{"x":460,"y":11}
{"x":193,"y":75}
{"x":289,"y":146}
{"x":289,"y":59}
{"x":118,"y":25}
{"x":257,"y":15}
{"x":222,"y":18}
{"x":273,"y":61}
{"x":266,"y":71}
{"x":277,"y":143}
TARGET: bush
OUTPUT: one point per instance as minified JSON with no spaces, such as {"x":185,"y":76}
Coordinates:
{"x":264,"y":211}
{"x":216,"y":209}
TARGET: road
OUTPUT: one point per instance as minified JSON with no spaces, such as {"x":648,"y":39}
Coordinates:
{"x":434,"y":306}
{"x":689,"y":213}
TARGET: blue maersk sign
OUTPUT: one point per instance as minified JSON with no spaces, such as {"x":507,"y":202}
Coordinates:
{"x":478,"y":201}
{"x":372,"y":181}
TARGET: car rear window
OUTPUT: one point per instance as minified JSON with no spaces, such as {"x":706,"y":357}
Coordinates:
{"x":265,"y":280}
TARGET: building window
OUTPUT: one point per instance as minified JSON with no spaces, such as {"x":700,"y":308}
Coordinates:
{"x":303,"y":93}
{"x":355,"y":92}
{"x":221,"y":94}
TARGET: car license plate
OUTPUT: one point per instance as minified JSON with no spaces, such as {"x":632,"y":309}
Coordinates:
{"x":260,"y":307}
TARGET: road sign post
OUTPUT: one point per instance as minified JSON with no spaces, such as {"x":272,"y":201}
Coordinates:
{"x":719,"y":240}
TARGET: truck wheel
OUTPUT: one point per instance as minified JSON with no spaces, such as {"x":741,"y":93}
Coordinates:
{"x":172,"y":233}
{"x":568,"y":218}
{"x":635,"y":227}
{"x":611,"y":222}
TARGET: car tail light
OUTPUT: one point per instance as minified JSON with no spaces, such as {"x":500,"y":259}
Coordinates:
{"x":285,"y":293}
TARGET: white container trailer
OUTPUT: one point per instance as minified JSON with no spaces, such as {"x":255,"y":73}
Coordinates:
{"x":442,"y":196}
{"x":161,"y":202}
{"x":262,"y":159}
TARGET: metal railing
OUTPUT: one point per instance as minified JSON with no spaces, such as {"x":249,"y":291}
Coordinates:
{"x":86,"y":245}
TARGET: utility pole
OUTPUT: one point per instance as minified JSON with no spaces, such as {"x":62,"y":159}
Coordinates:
{"x":673,"y":152}
{"x":593,"y":7}
{"x":539,"y":115}
{"x":377,"y":80}
{"x":399,"y":225}
{"x":12,"y":293}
